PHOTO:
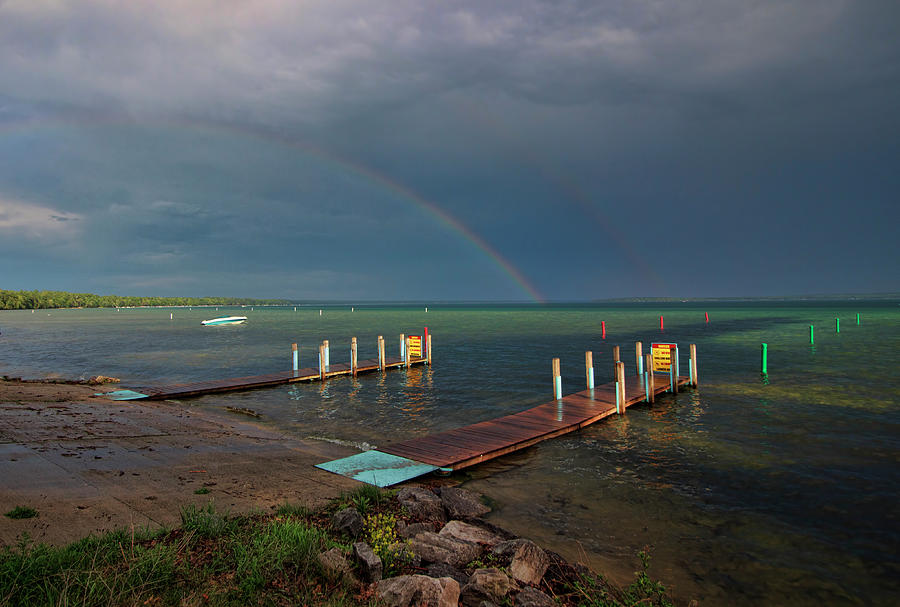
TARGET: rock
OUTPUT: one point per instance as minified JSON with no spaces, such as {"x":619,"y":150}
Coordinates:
{"x":103,"y":379}
{"x":485,"y":585}
{"x":369,"y":563}
{"x":529,"y":561}
{"x":532,"y":597}
{"x":470,"y":533}
{"x":434,"y":548}
{"x":348,"y":521}
{"x":336,"y":566}
{"x":419,"y":590}
{"x":445,"y":570}
{"x":422,"y":504}
{"x":460,"y":503}
{"x":411,"y":530}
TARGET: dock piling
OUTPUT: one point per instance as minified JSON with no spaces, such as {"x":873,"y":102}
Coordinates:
{"x":557,"y":380}
{"x":651,"y":381}
{"x":295,"y":350}
{"x":639,"y":358}
{"x":406,"y":357}
{"x":589,"y":369}
{"x":321,"y":362}
{"x":428,"y":349}
{"x":353,"y":356}
{"x":694,"y":380}
{"x":620,"y":388}
{"x":615,"y":354}
{"x":402,"y":346}
{"x":381,"y":353}
{"x":327,"y":358}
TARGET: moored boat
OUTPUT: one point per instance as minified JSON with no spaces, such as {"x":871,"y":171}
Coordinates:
{"x":225,"y":320}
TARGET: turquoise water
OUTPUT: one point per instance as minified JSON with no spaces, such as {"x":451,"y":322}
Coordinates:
{"x":750,"y":490}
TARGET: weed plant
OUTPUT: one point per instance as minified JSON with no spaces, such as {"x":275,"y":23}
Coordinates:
{"x":20,"y":512}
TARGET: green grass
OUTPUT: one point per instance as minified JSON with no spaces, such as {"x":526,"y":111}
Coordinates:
{"x":202,"y":491}
{"x":257,"y":559}
{"x":22,"y":512}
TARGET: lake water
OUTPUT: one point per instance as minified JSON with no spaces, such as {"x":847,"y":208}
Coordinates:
{"x":750,"y":490}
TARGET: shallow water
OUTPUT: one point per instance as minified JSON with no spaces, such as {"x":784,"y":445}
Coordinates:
{"x":749,"y":490}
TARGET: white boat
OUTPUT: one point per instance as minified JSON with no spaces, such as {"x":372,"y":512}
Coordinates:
{"x":225,"y":320}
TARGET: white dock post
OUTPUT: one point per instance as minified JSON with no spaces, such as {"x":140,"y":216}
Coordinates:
{"x":557,"y":380}
{"x":295,"y":349}
{"x":589,"y":369}
{"x":402,"y":346}
{"x":327,"y":355}
{"x":353,"y":356}
{"x":381,"y":353}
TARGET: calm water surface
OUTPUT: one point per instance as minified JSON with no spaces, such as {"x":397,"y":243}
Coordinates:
{"x":748,"y":491}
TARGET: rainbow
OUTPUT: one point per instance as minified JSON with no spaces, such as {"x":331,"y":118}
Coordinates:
{"x":401,"y":191}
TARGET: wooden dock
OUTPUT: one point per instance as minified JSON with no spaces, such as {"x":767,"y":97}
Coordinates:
{"x":261,"y":381}
{"x":462,"y":447}
{"x":470,"y":445}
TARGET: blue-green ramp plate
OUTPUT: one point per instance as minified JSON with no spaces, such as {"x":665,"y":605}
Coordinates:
{"x":377,"y":468}
{"x":122,"y":395}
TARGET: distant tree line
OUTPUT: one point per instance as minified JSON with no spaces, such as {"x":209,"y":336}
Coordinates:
{"x":28,"y":300}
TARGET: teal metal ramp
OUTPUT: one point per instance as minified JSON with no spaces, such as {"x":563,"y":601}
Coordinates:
{"x":377,"y":468}
{"x":122,"y":395}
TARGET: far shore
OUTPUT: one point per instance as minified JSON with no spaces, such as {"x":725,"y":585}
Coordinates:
{"x":88,"y":464}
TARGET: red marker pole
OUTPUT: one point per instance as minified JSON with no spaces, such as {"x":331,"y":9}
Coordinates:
{"x":707,"y":316}
{"x":660,"y":323}
{"x":603,"y":329}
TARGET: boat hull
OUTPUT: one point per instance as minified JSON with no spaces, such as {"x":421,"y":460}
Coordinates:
{"x":225,"y":320}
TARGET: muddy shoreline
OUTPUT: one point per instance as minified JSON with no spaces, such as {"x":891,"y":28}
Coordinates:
{"x":88,"y":464}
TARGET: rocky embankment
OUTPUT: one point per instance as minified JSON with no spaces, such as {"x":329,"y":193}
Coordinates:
{"x":458,"y":557}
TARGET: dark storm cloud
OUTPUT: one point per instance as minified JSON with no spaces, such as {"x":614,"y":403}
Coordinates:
{"x":553,"y":122}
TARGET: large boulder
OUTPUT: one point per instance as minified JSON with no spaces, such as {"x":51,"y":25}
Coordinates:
{"x":411,"y":530}
{"x":529,"y":561}
{"x":348,"y":521}
{"x":422,"y":504}
{"x":434,"y":548}
{"x":419,"y":591}
{"x":369,"y":563}
{"x":474,"y":534}
{"x":445,"y":570}
{"x":532,"y":597}
{"x":336,"y":566}
{"x":486,"y":585}
{"x":463,"y":504}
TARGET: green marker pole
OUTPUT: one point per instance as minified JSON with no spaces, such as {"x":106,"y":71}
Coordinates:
{"x":811,"y":338}
{"x":765,"y":366}
{"x":837,"y":325}
{"x":857,"y":318}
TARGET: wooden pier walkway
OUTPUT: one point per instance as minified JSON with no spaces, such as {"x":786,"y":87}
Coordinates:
{"x":469,"y":445}
{"x":462,"y":447}
{"x":260,"y":381}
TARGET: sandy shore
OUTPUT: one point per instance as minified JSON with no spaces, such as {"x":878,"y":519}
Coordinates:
{"x":88,"y":464}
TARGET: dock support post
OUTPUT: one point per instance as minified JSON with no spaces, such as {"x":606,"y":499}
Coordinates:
{"x":327,"y":358}
{"x":428,"y":349}
{"x":589,"y":369}
{"x":295,"y":350}
{"x":406,"y":357}
{"x":402,"y":346}
{"x":557,"y":380}
{"x":639,"y":359}
{"x":321,"y":362}
{"x":651,"y":381}
{"x":812,"y":339}
{"x":764,"y":363}
{"x":381,"y":353}
{"x":602,"y":329}
{"x":615,"y":354}
{"x":620,"y":388}
{"x":353,"y":356}
{"x":673,"y":383}
{"x":694,"y":380}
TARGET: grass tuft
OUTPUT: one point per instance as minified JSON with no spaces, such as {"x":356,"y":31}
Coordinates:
{"x":22,"y":512}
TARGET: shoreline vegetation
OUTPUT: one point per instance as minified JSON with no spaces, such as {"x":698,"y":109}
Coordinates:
{"x":43,"y":300}
{"x":368,"y":547}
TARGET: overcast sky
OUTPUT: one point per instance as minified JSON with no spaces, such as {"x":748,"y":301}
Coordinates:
{"x":443,"y":150}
